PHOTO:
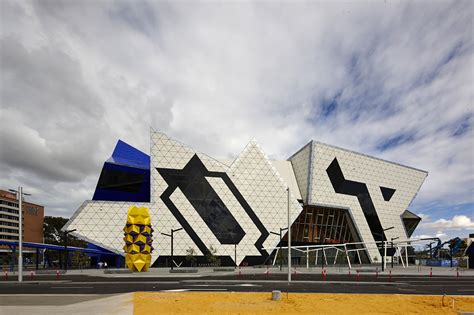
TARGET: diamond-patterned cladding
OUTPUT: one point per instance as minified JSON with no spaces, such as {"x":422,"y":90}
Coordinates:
{"x":262,"y":187}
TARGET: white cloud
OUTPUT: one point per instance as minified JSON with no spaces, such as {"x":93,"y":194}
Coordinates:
{"x":457,"y":222}
{"x":424,"y":217}
{"x":439,"y":234}
{"x":75,"y":78}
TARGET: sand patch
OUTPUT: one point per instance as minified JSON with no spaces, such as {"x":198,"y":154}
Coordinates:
{"x":296,"y":303}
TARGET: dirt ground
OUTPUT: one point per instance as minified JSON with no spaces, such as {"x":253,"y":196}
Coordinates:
{"x":297,"y":303}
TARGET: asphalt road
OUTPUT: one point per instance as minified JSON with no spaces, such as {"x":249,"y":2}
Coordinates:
{"x":365,"y":283}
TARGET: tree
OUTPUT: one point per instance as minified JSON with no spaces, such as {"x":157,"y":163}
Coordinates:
{"x":54,"y":235}
{"x":211,"y":255}
{"x":190,"y":252}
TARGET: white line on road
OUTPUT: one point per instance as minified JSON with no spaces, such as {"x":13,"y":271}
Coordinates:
{"x":72,"y":287}
{"x":188,"y":290}
{"x":438,"y":285}
{"x":225,"y":285}
{"x":208,"y":289}
{"x":210,"y":285}
{"x":103,"y":282}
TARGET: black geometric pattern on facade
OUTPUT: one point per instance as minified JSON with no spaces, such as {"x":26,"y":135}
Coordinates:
{"x":192,"y":182}
{"x":387,"y":193}
{"x":410,"y":221}
{"x":352,"y":188}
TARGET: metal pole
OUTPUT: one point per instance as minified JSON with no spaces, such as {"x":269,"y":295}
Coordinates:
{"x":37,"y":258}
{"x":383,"y":257}
{"x":323,"y":258}
{"x":65,"y":251}
{"x":406,"y":255}
{"x":451,"y":256}
{"x":307,"y":257}
{"x":289,"y":238}
{"x":347,"y":256}
{"x":384,"y":254}
{"x":20,"y":240}
{"x":172,"y":262}
{"x":275,"y":258}
{"x":280,"y":252}
{"x":235,"y":255}
{"x":391,"y":247}
{"x":400,"y":255}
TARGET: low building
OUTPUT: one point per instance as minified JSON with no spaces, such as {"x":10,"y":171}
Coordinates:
{"x":33,"y":219}
{"x":237,"y":209}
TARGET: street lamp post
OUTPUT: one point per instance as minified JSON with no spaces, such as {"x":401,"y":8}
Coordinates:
{"x":172,"y":239}
{"x":20,"y":195}
{"x":65,"y":247}
{"x":384,"y":244}
{"x":289,"y":237}
{"x":391,"y":246}
{"x":280,"y":235}
{"x":235,"y":255}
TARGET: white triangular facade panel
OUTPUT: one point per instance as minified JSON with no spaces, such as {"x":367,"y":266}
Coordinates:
{"x":263,"y":188}
{"x":374,"y":173}
{"x":301,"y":161}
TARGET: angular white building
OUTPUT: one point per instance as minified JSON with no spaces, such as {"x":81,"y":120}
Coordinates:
{"x":335,"y":196}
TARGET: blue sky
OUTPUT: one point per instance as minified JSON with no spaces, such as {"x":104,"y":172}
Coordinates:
{"x":387,"y":78}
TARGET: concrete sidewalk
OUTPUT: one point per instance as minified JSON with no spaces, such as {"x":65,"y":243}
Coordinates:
{"x":205,"y":272}
{"x":209,"y":272}
{"x":48,"y":304}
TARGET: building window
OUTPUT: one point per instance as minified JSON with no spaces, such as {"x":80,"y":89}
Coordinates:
{"x":121,"y":181}
{"x":9,"y":210}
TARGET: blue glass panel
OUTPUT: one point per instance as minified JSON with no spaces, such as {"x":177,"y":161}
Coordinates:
{"x":125,"y":154}
{"x":125,"y":176}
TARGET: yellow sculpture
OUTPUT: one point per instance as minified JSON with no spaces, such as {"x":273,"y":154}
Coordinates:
{"x":138,"y":239}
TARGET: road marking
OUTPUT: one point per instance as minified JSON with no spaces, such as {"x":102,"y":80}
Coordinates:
{"x":297,"y":281}
{"x":210,"y":285}
{"x":438,"y":281}
{"x":208,"y":289}
{"x":96,"y":282}
{"x":187,"y":290}
{"x":224,"y":285}
{"x":72,"y":287}
{"x":437,"y":285}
